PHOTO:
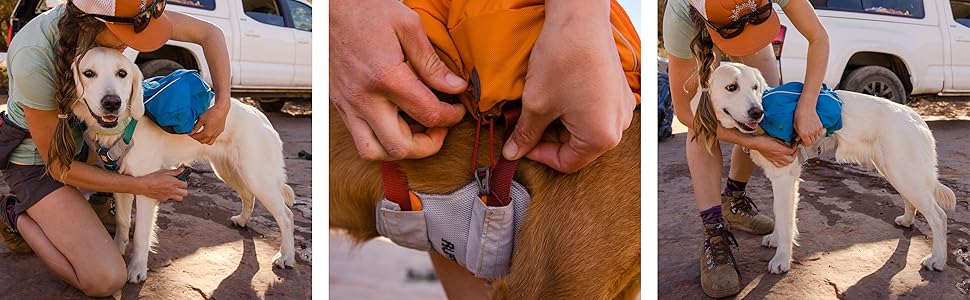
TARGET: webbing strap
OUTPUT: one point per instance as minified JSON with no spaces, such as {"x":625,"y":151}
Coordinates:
{"x":395,"y":185}
{"x":504,"y":170}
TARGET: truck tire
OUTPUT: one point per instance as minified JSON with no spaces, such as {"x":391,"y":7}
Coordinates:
{"x":877,"y":81}
{"x":159,"y":67}
{"x":271,"y":104}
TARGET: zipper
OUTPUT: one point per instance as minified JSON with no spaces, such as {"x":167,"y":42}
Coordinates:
{"x":636,"y":62}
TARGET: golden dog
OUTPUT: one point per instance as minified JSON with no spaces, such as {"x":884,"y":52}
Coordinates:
{"x":580,"y":240}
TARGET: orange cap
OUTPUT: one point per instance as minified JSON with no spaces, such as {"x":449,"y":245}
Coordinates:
{"x":723,"y":12}
{"x":158,"y":31}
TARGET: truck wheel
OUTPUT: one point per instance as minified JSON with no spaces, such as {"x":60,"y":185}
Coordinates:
{"x":159,"y":67}
{"x":877,"y":81}
{"x":271,"y":104}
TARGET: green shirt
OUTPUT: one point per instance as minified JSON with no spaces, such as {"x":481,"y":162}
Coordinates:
{"x":679,"y":31}
{"x":33,"y":78}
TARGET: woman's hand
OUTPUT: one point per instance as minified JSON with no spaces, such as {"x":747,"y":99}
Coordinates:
{"x":163,"y":186}
{"x":574,"y":76}
{"x":777,"y":152}
{"x":382,"y":63}
{"x":212,"y":122}
{"x":807,"y":124}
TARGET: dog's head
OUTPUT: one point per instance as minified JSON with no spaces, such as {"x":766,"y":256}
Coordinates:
{"x":108,"y":88}
{"x":735,"y":94}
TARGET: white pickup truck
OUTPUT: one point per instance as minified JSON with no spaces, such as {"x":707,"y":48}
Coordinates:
{"x":887,"y":48}
{"x":269,"y":45}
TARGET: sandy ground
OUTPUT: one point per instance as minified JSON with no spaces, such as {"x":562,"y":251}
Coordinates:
{"x":850,"y":247}
{"x":200,"y":255}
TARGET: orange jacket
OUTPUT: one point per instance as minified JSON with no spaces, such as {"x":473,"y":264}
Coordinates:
{"x":493,"y":39}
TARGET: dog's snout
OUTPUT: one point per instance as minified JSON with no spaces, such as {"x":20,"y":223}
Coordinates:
{"x":111,"y":103}
{"x":755,"y":113}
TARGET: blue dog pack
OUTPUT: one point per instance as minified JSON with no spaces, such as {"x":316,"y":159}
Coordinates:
{"x":779,"y":105}
{"x":175,"y":101}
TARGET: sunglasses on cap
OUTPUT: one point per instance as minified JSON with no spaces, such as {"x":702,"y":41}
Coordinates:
{"x":735,"y":28}
{"x":139,"y":21}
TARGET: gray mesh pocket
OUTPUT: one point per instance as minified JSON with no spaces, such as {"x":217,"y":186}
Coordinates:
{"x":476,"y":236}
{"x":405,"y":228}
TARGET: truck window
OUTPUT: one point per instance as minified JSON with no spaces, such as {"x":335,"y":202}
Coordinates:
{"x":302,"y":15}
{"x":961,"y":11}
{"x":902,"y":8}
{"x":264,"y":11}
{"x":200,"y":4}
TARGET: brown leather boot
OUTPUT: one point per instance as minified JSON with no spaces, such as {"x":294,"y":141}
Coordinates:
{"x":11,"y":238}
{"x":742,"y":214}
{"x":104,"y":205}
{"x":719,"y":273}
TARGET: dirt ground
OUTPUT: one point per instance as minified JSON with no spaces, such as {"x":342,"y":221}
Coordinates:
{"x":200,"y":254}
{"x":850,"y":247}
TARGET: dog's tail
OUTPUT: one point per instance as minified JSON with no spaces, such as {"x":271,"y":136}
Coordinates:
{"x":944,"y":197}
{"x":288,"y":194}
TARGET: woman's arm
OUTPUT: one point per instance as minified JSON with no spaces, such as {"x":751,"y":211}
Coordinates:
{"x":160,"y":185}
{"x":213,"y":43}
{"x":802,"y":15}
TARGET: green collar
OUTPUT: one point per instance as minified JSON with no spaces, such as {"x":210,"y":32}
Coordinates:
{"x":128,"y":131}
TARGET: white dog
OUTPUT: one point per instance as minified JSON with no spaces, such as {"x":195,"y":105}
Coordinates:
{"x":876,"y":133}
{"x":248,"y":155}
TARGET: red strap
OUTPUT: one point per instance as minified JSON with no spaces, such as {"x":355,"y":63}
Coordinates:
{"x":504,"y":170}
{"x":395,"y":185}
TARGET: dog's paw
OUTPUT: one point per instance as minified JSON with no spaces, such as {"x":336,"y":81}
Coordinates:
{"x":282,"y":261}
{"x":769,"y":241}
{"x":238,"y":221}
{"x":934,"y":263}
{"x":904,"y":221}
{"x":779,"y":264}
{"x":137,"y":271}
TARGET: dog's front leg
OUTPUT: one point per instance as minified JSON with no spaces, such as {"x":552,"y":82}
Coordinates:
{"x":784,"y":186}
{"x":144,"y":238}
{"x":123,"y":203}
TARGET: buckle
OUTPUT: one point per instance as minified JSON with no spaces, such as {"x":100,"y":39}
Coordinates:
{"x":483,"y":175}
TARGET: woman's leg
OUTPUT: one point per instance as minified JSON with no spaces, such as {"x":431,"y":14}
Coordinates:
{"x":738,"y":209}
{"x":66,"y":234}
{"x":458,"y":282}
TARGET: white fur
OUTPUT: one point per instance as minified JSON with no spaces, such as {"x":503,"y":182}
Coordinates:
{"x":248,"y":156}
{"x":876,"y":133}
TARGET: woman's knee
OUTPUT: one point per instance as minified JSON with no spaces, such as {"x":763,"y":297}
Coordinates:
{"x":104,"y":282}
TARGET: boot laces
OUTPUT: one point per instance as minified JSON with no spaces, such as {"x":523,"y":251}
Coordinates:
{"x":718,"y":246}
{"x":743,"y":204}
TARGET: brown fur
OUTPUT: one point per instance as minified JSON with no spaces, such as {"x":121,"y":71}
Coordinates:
{"x":581,"y":239}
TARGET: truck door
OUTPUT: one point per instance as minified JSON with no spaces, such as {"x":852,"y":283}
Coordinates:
{"x":959,"y":28}
{"x":301,"y":16}
{"x":266,"y":45}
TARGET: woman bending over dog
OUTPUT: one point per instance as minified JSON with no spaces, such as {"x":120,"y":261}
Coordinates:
{"x":42,"y":155}
{"x":743,"y":30}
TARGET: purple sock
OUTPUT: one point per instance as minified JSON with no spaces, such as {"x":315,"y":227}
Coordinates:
{"x":712,"y":215}
{"x":734,"y":186}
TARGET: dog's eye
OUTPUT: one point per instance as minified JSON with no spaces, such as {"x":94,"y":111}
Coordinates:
{"x":89,"y":74}
{"x":122,"y":73}
{"x":754,"y":88}
{"x":731,"y":87}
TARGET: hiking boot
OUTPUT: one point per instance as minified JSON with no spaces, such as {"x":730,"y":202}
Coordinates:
{"x":719,"y":273}
{"x":741,"y":213}
{"x":11,"y":238}
{"x":104,"y":205}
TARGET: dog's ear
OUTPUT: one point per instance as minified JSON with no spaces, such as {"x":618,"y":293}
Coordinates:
{"x":761,"y":80}
{"x":136,"y":102}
